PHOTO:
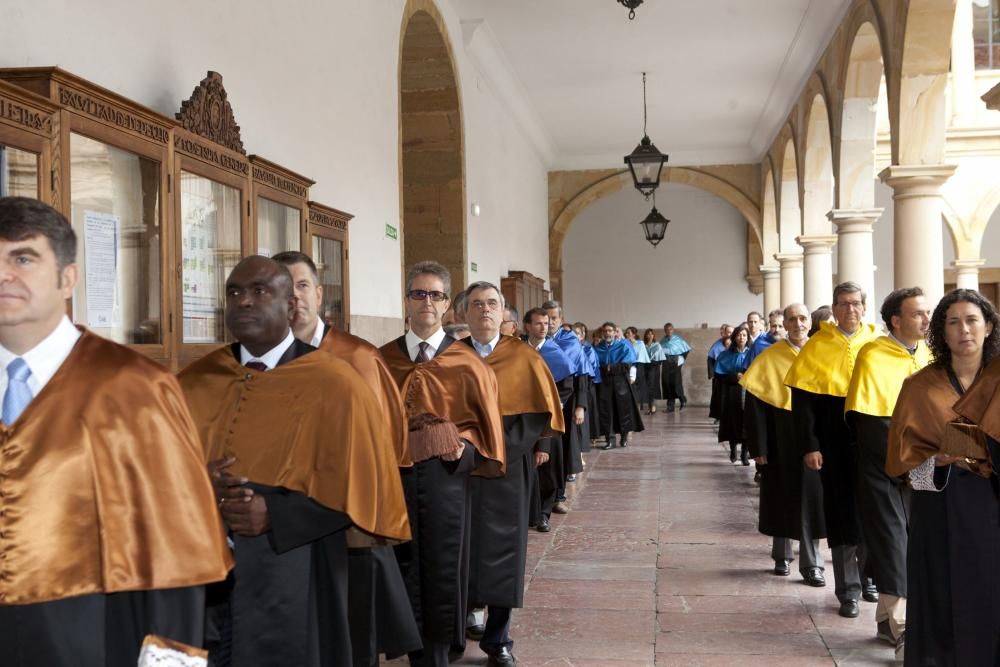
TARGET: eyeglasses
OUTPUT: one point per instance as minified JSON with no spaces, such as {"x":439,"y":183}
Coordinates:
{"x":423,"y":295}
{"x":850,"y":304}
{"x":492,"y":304}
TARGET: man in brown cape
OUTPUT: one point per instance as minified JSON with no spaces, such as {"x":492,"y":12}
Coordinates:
{"x":456,"y":430}
{"x":299,"y":449}
{"x":529,"y":403}
{"x":109,"y":530}
{"x":379,"y":610}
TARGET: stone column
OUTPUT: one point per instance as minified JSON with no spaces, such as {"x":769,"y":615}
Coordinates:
{"x":818,"y":270}
{"x":791,"y":277}
{"x":964,"y":100}
{"x":918,"y":253}
{"x":772,"y":287}
{"x":855,"y":248}
{"x":967,"y":273}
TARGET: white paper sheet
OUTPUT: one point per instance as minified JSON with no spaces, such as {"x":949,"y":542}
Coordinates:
{"x":101,"y":247}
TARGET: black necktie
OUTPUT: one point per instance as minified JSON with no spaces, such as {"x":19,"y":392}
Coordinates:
{"x":425,"y":352}
{"x":257,"y":366}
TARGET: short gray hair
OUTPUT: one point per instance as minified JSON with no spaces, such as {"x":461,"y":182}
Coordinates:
{"x":549,"y":305}
{"x":776,"y":313}
{"x":429,"y":269}
{"x":480,"y":284}
{"x":849,"y":287}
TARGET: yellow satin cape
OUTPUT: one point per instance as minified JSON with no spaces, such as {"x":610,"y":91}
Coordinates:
{"x":981,"y":403}
{"x":456,"y":386}
{"x":104,"y":484}
{"x":525,"y":382}
{"x":311,"y":425}
{"x":365,"y":359}
{"x":765,"y":378}
{"x":826,"y":362}
{"x":879,"y":371}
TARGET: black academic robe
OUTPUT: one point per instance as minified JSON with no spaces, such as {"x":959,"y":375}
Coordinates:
{"x":551,"y":475}
{"x":650,"y":374}
{"x":616,"y":401}
{"x":715,"y":402}
{"x":593,"y":414}
{"x":883,"y":505}
{"x":731,"y":416}
{"x":673,"y":381}
{"x":820,"y":426}
{"x":435,"y":564}
{"x":285,"y":602}
{"x":787,"y":488}
{"x":500,"y":518}
{"x":953,"y":606}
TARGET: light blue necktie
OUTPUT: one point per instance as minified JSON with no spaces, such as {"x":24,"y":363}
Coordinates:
{"x":18,"y":394}
{"x":485,"y":349}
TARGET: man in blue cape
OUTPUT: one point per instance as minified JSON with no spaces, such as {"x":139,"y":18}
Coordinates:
{"x":615,"y":398}
{"x":775,"y":332}
{"x":676,"y":350}
{"x":718,"y":347}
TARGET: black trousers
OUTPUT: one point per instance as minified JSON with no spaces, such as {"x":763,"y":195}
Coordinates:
{"x":497,"y":633}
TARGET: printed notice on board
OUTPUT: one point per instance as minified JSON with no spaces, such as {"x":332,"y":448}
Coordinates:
{"x":100,"y":232}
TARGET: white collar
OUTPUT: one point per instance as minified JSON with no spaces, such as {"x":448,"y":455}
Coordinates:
{"x":46,"y":357}
{"x":317,"y":336}
{"x":481,"y":347}
{"x":272,"y":356}
{"x":539,"y":346}
{"x":413,"y":342}
{"x":911,"y":350}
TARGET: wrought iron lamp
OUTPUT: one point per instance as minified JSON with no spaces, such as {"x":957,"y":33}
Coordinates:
{"x":645,"y":162}
{"x":630,"y":5}
{"x":654,"y":226}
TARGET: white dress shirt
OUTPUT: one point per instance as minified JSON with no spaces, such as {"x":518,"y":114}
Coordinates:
{"x":318,"y":333}
{"x":44,"y":359}
{"x":413,"y":342}
{"x":272,"y":356}
{"x":485,"y":349}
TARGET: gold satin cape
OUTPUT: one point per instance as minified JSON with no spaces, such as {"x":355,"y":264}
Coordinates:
{"x":981,"y":402}
{"x":765,"y":378}
{"x":458,"y":387}
{"x":922,"y":412}
{"x":879,"y":371}
{"x":311,"y":425}
{"x":365,"y":359}
{"x":104,"y":484}
{"x":525,"y":383}
{"x":826,"y":362}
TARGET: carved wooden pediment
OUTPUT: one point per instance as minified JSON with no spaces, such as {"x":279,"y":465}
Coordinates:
{"x":208,"y":114}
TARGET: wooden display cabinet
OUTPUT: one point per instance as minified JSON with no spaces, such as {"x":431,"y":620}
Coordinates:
{"x":29,"y":125}
{"x":327,"y":241}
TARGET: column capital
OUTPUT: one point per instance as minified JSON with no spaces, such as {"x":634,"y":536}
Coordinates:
{"x":770,"y":271}
{"x":917,"y":179}
{"x":817,"y":243}
{"x":789,"y":260}
{"x":854,"y":219}
{"x":968,"y":265}
{"x":755,"y":282}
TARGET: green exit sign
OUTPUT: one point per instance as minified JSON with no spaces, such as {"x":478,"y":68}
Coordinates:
{"x":390,"y":232}
{"x":475,"y":267}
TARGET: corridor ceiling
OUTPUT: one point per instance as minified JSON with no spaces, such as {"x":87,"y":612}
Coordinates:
{"x":722,"y":73}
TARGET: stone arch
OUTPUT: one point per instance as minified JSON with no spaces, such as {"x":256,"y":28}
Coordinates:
{"x":789,"y":212}
{"x":769,"y":215}
{"x":432,"y":164}
{"x":817,"y":169}
{"x":622,"y":179}
{"x":918,"y":94}
{"x":863,"y":79}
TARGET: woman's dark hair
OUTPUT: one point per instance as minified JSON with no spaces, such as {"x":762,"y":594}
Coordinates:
{"x":732,"y":338}
{"x":821,"y":314}
{"x":650,"y":333}
{"x":936,"y":339}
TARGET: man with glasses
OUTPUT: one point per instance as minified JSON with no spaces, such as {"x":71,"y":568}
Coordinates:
{"x":508,"y":326}
{"x":529,"y":403}
{"x":819,"y":379}
{"x":455,"y":429}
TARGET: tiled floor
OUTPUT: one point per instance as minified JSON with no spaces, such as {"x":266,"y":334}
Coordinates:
{"x":659,"y":562}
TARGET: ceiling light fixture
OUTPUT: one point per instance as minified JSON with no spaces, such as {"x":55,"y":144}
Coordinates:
{"x":630,"y":5}
{"x":654,"y":226}
{"x":645,"y":162}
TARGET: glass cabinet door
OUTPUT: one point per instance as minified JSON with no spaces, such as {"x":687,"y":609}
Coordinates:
{"x":116,"y":215}
{"x":210,"y":248}
{"x":328,"y":257}
{"x":278,"y":227}
{"x":18,"y":173}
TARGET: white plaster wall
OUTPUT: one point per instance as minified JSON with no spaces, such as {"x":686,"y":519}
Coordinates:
{"x":314,"y":85}
{"x":695,"y":276}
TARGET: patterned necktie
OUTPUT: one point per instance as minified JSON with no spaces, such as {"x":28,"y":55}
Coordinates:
{"x":424,"y":354}
{"x":18,"y":394}
{"x":257,"y":366}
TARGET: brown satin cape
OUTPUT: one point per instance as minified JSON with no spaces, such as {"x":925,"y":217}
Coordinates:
{"x":311,"y":425}
{"x":456,"y":386}
{"x":525,"y":382}
{"x":981,"y":402}
{"x":365,"y":359}
{"x":104,"y":484}
{"x":923,"y":410}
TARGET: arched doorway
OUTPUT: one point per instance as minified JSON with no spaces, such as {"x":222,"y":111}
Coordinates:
{"x":432,"y":168}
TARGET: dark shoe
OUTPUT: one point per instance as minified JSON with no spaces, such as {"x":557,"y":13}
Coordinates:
{"x":609,"y":444}
{"x":560,"y":508}
{"x":744,"y":455}
{"x":781,"y":568}
{"x":570,"y":478}
{"x":756,"y":477}
{"x":869,"y":592}
{"x":683,"y":403}
{"x":814,"y":577}
{"x":849,"y":609}
{"x":543,"y":525}
{"x":502,"y":657}
{"x":883,"y":632}
{"x":745,"y":461}
{"x":475,"y":632}
{"x":900,"y":643}
{"x":624,"y":442}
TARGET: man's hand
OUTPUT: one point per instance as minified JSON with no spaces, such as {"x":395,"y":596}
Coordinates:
{"x":942,"y":460}
{"x":578,"y":415}
{"x":456,"y":454}
{"x":813,"y":460}
{"x":248,"y":518}
{"x":541,"y":458}
{"x":227,"y":487}
{"x":760,"y":460}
